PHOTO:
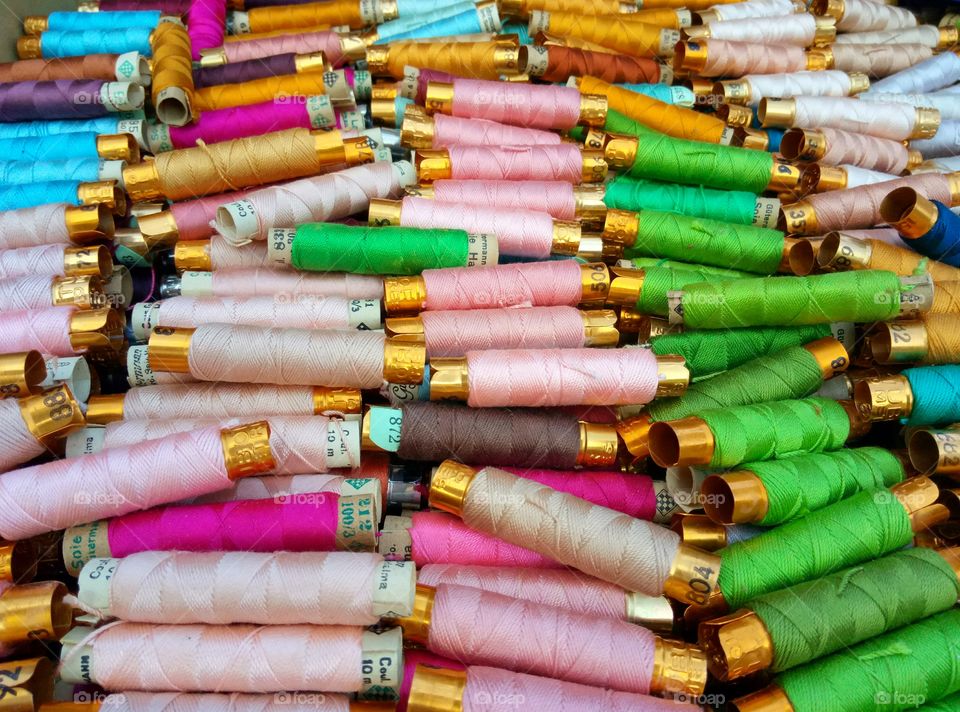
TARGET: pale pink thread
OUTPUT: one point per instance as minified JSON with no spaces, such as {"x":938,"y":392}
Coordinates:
{"x":225,"y":256}
{"x":457,"y":131}
{"x":216,"y":400}
{"x":878,"y":60}
{"x":894,"y":121}
{"x":61,"y":494}
{"x":860,"y":207}
{"x":609,"y":545}
{"x":193,"y":217}
{"x":320,"y":199}
{"x":30,"y":292}
{"x":41,"y":260}
{"x":453,"y":333}
{"x":272,"y":487}
{"x":556,"y":377}
{"x":441,"y":538}
{"x":554,"y":197}
{"x":236,"y":702}
{"x":493,"y":690}
{"x":317,"y":313}
{"x":27,"y":227}
{"x":520,"y":233}
{"x":857,"y":176}
{"x":484,"y":628}
{"x":794,"y":29}
{"x":299,"y":443}
{"x":869,"y":15}
{"x":539,"y":106}
{"x":560,"y":162}
{"x":279,"y":588}
{"x":755,"y":8}
{"x":824,"y":83}
{"x":239,"y":658}
{"x":558,"y":588}
{"x":46,"y":330}
{"x":735,"y":59}
{"x":17,"y":445}
{"x":305,"y":43}
{"x":879,"y":154}
{"x":628,"y":493}
{"x":250,"y":354}
{"x":927,"y":35}
{"x":295,"y":285}
{"x":537,"y":284}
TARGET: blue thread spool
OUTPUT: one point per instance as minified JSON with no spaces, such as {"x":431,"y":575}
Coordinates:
{"x":83,"y":170}
{"x":59,"y":146}
{"x":76,"y":44}
{"x":13,"y":197}
{"x":102,"y":21}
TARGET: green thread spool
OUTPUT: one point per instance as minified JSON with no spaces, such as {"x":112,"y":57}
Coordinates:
{"x":895,"y":671}
{"x":769,"y":431}
{"x":805,"y":483}
{"x":331,"y":247}
{"x":673,"y":160}
{"x":947,"y":704}
{"x":711,"y":242}
{"x":817,"y":618}
{"x":857,"y":529}
{"x":708,"y":352}
{"x":860,"y":296}
{"x":658,"y":281}
{"x":732,"y":206}
{"x":719,"y":272}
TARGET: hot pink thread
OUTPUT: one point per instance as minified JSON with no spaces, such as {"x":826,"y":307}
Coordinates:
{"x":735,"y":59}
{"x":276,"y":588}
{"x":236,"y":702}
{"x":456,"y":131}
{"x":206,"y":24}
{"x":627,"y":493}
{"x":520,"y":233}
{"x":240,"y":122}
{"x":454,"y":333}
{"x":22,"y":293}
{"x":537,"y":284}
{"x":294,"y":286}
{"x":193,"y":217}
{"x":61,"y":494}
{"x":305,"y":43}
{"x":41,"y":260}
{"x":554,"y":377}
{"x":46,"y":330}
{"x":539,"y":106}
{"x":440,"y":538}
{"x":27,"y":227}
{"x":238,"y":658}
{"x":17,"y":445}
{"x":318,"y":313}
{"x":284,"y":523}
{"x":272,"y":487}
{"x":320,"y":199}
{"x":482,"y":628}
{"x":251,"y":354}
{"x":554,"y":197}
{"x":560,"y":162}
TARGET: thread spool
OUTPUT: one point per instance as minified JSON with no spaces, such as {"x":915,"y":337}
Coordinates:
{"x":562,"y":162}
{"x":35,"y":423}
{"x":927,"y":35}
{"x":67,"y":99}
{"x":560,"y":199}
{"x":206,"y":25}
{"x":928,"y":226}
{"x":449,"y":11}
{"x":233,"y":654}
{"x":477,"y":60}
{"x":929,"y":75}
{"x":52,"y":173}
{"x":259,"y":91}
{"x":80,"y":21}
{"x":276,"y":65}
{"x":288,"y":285}
{"x":750,"y":89}
{"x":480,"y":19}
{"x":320,"y":199}
{"x":120,"y":147}
{"x":215,"y":702}
{"x":943,"y":145}
{"x":929,"y":341}
{"x":615,"y":32}
{"x":64,"y":331}
{"x":439,"y":131}
{"x":719,"y":58}
{"x":557,"y":64}
{"x":877,"y":60}
{"x":56,"y":260}
{"x":654,"y":563}
{"x":819,"y":179}
{"x":276,"y":486}
{"x":835,"y":148}
{"x":245,"y":50}
{"x":107,"y":67}
{"x":50,"y":45}
{"x":894,"y":121}
{"x":795,"y":29}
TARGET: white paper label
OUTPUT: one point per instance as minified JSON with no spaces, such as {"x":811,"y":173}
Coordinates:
{"x":766,"y":211}
{"x":537,"y":59}
{"x":675,"y":307}
{"x":482,"y":250}
{"x":381,"y":664}
{"x":239,"y":23}
{"x":666,"y":74}
{"x":139,"y":372}
{"x":666,"y":505}
{"x":83,"y":543}
{"x":127,"y":68}
{"x":846,"y":333}
{"x":539,"y":22}
{"x":365,"y":314}
{"x":393,"y":589}
{"x":246,"y":224}
{"x":134,"y":127}
{"x":351,"y":119}
{"x":362,"y":84}
{"x":280,"y":245}
{"x":145,"y":316}
{"x":489,"y":18}
{"x":94,"y":583}
{"x":726,"y":138}
{"x":668,"y":42}
{"x":86,"y":441}
{"x":72,"y":371}
{"x":196,"y":284}
{"x":158,"y":138}
{"x":406,"y":175}
{"x":409,"y":85}
{"x":394,"y":542}
{"x":684,"y":17}
{"x":343,"y":444}
{"x":76,"y":662}
{"x":320,"y":112}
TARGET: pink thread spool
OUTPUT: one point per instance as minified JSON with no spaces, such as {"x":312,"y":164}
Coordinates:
{"x":206,"y":25}
{"x":319,"y":199}
{"x":537,"y":284}
{"x":877,"y":60}
{"x":215,"y":702}
{"x":440,"y":538}
{"x":47,"y":224}
{"x":44,"y":330}
{"x":627,"y":493}
{"x":735,"y":59}
{"x":216,"y":400}
{"x":868,"y":15}
{"x":251,"y":354}
{"x":273,"y":486}
{"x":556,"y":377}
{"x":39,"y":260}
{"x":60,"y":494}
{"x":222,"y":255}
{"x":305,"y":43}
{"x":457,"y":131}
{"x":893,"y":121}
{"x":193,"y":217}
{"x":562,"y":162}
{"x":871,"y":152}
{"x":484,"y":628}
{"x":237,"y":658}
{"x":520,"y":233}
{"x":292,"y":286}
{"x":24,"y":293}
{"x":539,"y":106}
{"x":554,"y":197}
{"x":454,"y":333}
{"x":275,"y":588}
{"x":26,"y":424}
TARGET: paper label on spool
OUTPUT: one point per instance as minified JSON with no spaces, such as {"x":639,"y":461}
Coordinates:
{"x":393,"y":589}
{"x":399,"y":393}
{"x":539,"y":22}
{"x":145,"y":316}
{"x":338,"y":89}
{"x":489,"y":17}
{"x":668,"y":41}
{"x":73,"y":371}
{"x":127,"y":68}
{"x":196,"y":284}
{"x":381,"y":664}
{"x":684,"y":17}
{"x":666,"y":505}
{"x":76,"y":661}
{"x":675,"y":307}
{"x":405,"y":172}
{"x":362,"y":84}
{"x":86,"y":441}
{"x":244,"y":217}
{"x":537,"y":58}
{"x":394,"y":542}
{"x":139,"y":372}
{"x":765,"y":212}
{"x":482,"y":250}
{"x":119,"y":287}
{"x":365,"y":314}
{"x":726,"y":138}
{"x":410,"y":83}
{"x":320,"y":112}
{"x":83,"y":543}
{"x":134,"y":127}
{"x":846,"y":333}
{"x":666,"y":74}
{"x":357,"y":523}
{"x":279,"y":245}
{"x":351,"y":119}
{"x":370,"y":12}
{"x":385,"y":427}
{"x":238,"y":23}
{"x":381,"y":152}
{"x":343,"y":443}
{"x":158,"y":138}
{"x":94,"y":583}
{"x":114,"y":97}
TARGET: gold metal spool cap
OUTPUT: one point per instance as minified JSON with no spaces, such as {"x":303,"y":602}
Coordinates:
{"x":21,"y":374}
{"x":192,"y":255}
{"x":32,"y":688}
{"x":119,"y":147}
{"x":51,"y":414}
{"x":34,"y":611}
{"x":437,"y":690}
{"x":93,"y":261}
{"x":899,"y":342}
{"x":340,"y":400}
{"x":18,"y":561}
{"x":246,"y":450}
{"x":82,"y":292}
{"x":102,"y":410}
{"x":908,"y":212}
{"x":449,"y":485}
{"x":883,"y":398}
{"x":168,"y":349}
{"x":86,"y":223}
{"x":404,"y":361}
{"x":97,"y":330}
